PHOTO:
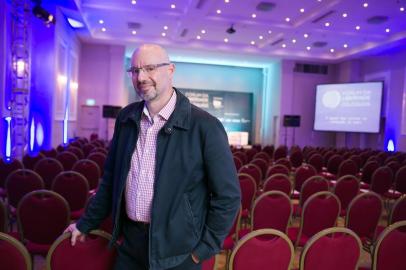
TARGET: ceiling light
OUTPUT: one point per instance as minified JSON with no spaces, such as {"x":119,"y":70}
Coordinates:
{"x":283,"y":45}
{"x":226,"y":40}
{"x":218,"y":11}
{"x":358,"y":27}
{"x":402,"y":9}
{"x":345,"y":15}
{"x":252,"y":42}
{"x":287,"y":19}
{"x":198,"y":37}
{"x":261,"y":37}
{"x":302,"y":10}
{"x":365,"y":5}
{"x":308,"y":48}
{"x":293,"y":40}
{"x":133,"y":2}
{"x":203,"y":31}
{"x":345,"y":45}
{"x":227,"y":1}
{"x":254,"y":15}
{"x":75,"y":24}
{"x":305,"y":35}
{"x":269,"y":31}
{"x":327,"y":24}
{"x":103,"y":29}
{"x":173,"y":6}
{"x":331,"y":50}
{"x":101,"y":21}
{"x":163,"y":34}
{"x":165,"y":27}
{"x":387,"y":30}
{"x":134,"y":32}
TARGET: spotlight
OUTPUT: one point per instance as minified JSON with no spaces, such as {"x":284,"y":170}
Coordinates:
{"x":43,"y":14}
{"x":231,"y":30}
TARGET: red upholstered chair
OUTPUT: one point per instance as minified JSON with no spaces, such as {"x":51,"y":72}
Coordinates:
{"x":263,"y":155}
{"x":398,"y":212}
{"x":269,"y":149}
{"x":232,"y":236}
{"x":94,"y":253}
{"x":333,"y":249}
{"x":357,"y":159}
{"x":242,"y":156}
{"x":381,"y":180}
{"x":280,"y":152}
{"x":347,"y":167}
{"x":263,"y":249}
{"x":389,"y":251}
{"x":316,"y":161}
{"x":87,"y":148}
{"x":271,"y":210}
{"x":262,"y":164}
{"x":278,"y":168}
{"x":367,"y":171}
{"x":99,"y":149}
{"x":394,"y":165}
{"x":76,"y":143}
{"x":285,"y":162}
{"x":302,"y":173}
{"x":30,"y":161}
{"x":311,"y":186}
{"x":74,"y":188}
{"x":77,"y":151}
{"x":237,"y":162}
{"x":90,"y":170}
{"x":400,"y":180}
{"x":51,"y":153}
{"x":319,"y":212}
{"x":296,"y":158}
{"x":326,"y":157}
{"x":363,"y":215}
{"x":346,"y":189}
{"x":99,"y":158}
{"x":48,"y":168}
{"x":248,"y":191}
{"x":42,"y":216}
{"x":67,"y":159}
{"x":251,"y":153}
{"x":254,"y":171}
{"x":3,"y":217}
{"x":278,"y":182}
{"x":13,"y":254}
{"x":21,"y":182}
{"x":7,"y":167}
{"x":209,"y":264}
{"x":333,"y":164}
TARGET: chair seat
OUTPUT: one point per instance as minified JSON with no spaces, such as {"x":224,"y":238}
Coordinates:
{"x":228,"y":243}
{"x":393,"y":194}
{"x":293,"y":233}
{"x":77,"y":214}
{"x":37,"y":249}
{"x":243,"y":232}
{"x":364,"y":185}
{"x":379,"y":230}
{"x":328,"y":176}
{"x":295,"y":195}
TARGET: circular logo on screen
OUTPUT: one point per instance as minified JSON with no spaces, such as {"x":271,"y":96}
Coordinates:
{"x":331,"y":99}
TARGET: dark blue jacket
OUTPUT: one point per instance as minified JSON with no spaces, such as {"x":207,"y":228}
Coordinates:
{"x":196,"y":191}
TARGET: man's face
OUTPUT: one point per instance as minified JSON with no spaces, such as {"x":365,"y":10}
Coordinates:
{"x":150,"y":82}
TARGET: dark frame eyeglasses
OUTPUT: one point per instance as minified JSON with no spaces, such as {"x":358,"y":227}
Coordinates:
{"x":147,"y":68}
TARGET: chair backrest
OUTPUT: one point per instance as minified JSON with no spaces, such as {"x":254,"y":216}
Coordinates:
{"x":7,"y":167}
{"x":363,"y":214}
{"x":346,"y":188}
{"x":48,"y":168}
{"x":333,"y":163}
{"x":77,"y":151}
{"x":278,"y":168}
{"x":93,"y":253}
{"x":348,"y":167}
{"x":263,"y":249}
{"x":280,"y":152}
{"x":261,"y":163}
{"x":269,"y":150}
{"x":400,"y":180}
{"x":271,"y":210}
{"x":333,"y":248}
{"x":367,"y":171}
{"x":242,"y":156}
{"x":319,"y":212}
{"x":30,"y":161}
{"x":21,"y":182}
{"x":303,"y":173}
{"x":389,"y":250}
{"x":67,"y":159}
{"x":252,"y":170}
{"x":248,"y":190}
{"x":251,"y":153}
{"x":3,"y":217}
{"x":99,"y":158}
{"x":381,"y":180}
{"x":278,"y":182}
{"x":73,"y":187}
{"x":42,"y":216}
{"x":296,"y":158}
{"x":13,"y":254}
{"x":87,"y":148}
{"x":316,"y":160}
{"x":90,"y":170}
{"x":357,"y":159}
{"x":285,"y":162}
{"x":311,"y":186}
{"x":326,"y":157}
{"x":99,"y":149}
{"x":398,"y":212}
{"x":49,"y":153}
{"x":394,"y":165}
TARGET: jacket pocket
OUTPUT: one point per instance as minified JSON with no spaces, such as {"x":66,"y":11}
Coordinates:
{"x":192,"y":218}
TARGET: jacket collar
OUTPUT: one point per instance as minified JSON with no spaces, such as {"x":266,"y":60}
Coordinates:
{"x":180,"y":117}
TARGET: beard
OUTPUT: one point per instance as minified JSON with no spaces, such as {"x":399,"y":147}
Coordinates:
{"x":146,"y":91}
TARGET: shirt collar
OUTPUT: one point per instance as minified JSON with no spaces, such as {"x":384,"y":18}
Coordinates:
{"x":166,"y":111}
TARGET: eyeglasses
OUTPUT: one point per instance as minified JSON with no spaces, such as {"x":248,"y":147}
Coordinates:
{"x":132,"y":71}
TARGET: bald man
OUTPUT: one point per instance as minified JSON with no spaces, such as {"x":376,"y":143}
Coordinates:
{"x":169,"y":180}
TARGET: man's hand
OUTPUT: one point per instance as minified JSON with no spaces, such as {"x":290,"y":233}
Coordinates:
{"x":195,"y":259}
{"x":76,"y":234}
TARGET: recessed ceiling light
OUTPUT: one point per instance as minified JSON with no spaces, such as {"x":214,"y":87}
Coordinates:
{"x":331,"y":50}
{"x":101,"y":21}
{"x":261,"y":37}
{"x":134,"y":32}
{"x":327,"y":24}
{"x":218,"y":11}
{"x":308,"y":48}
{"x":293,"y":40}
{"x":103,"y":29}
{"x":345,"y":45}
{"x":226,"y":40}
{"x":318,"y":0}
{"x":133,"y":2}
{"x":227,"y":1}
{"x":365,"y":5}
{"x":305,"y":35}
{"x":269,"y":31}
{"x":166,"y":27}
{"x":173,"y":6}
{"x":402,"y":9}
{"x":283,"y":45}
{"x":75,"y":24}
{"x":252,"y":42}
{"x":163,"y":34}
{"x":302,"y":10}
{"x":198,"y":37}
{"x":387,"y":30}
{"x":287,"y":19}
{"x":358,"y":27}
{"x":254,"y":15}
{"x":345,"y":15}
{"x":203,"y":31}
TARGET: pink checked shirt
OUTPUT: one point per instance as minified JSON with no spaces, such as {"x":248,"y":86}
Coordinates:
{"x":139,"y":190}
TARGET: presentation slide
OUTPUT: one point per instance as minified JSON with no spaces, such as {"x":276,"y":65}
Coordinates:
{"x":350,"y":107}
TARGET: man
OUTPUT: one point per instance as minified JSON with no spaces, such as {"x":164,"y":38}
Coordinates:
{"x":169,"y":179}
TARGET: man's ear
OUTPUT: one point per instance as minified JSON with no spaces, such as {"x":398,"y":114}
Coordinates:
{"x":171,"y":69}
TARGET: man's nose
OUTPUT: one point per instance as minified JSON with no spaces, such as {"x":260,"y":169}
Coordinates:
{"x":141,"y":75}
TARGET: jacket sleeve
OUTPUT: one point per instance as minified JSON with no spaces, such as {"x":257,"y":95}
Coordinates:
{"x":100,"y":206}
{"x":224,"y":189}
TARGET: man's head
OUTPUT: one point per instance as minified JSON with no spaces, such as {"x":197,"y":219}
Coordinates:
{"x":152,"y":73}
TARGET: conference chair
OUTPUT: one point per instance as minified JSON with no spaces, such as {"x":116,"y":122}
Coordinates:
{"x":280,"y":152}
{"x":263,"y":249}
{"x":242,"y":156}
{"x":316,"y":160}
{"x":381,"y":180}
{"x":77,"y":151}
{"x":67,"y":159}
{"x":285,"y":162}
{"x":263,"y":155}
{"x":346,"y":189}
{"x":3,"y":217}
{"x":278,"y":168}
{"x":367,"y":171}
{"x":262,"y":164}
{"x":302,"y":173}
{"x":237,"y":162}
{"x":209,"y":264}
{"x":90,"y":170}
{"x":94,"y":253}
{"x":99,"y":158}
{"x":13,"y":254}
{"x":333,"y":249}
{"x":248,"y":191}
{"x":311,"y":186}
{"x":7,"y":167}
{"x":48,"y":168}
{"x":30,"y":161}
{"x":269,"y":150}
{"x":50,"y":153}
{"x":296,"y":158}
{"x":254,"y":171}
{"x":348,"y":167}
{"x":251,"y":153}
{"x":278,"y":182}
